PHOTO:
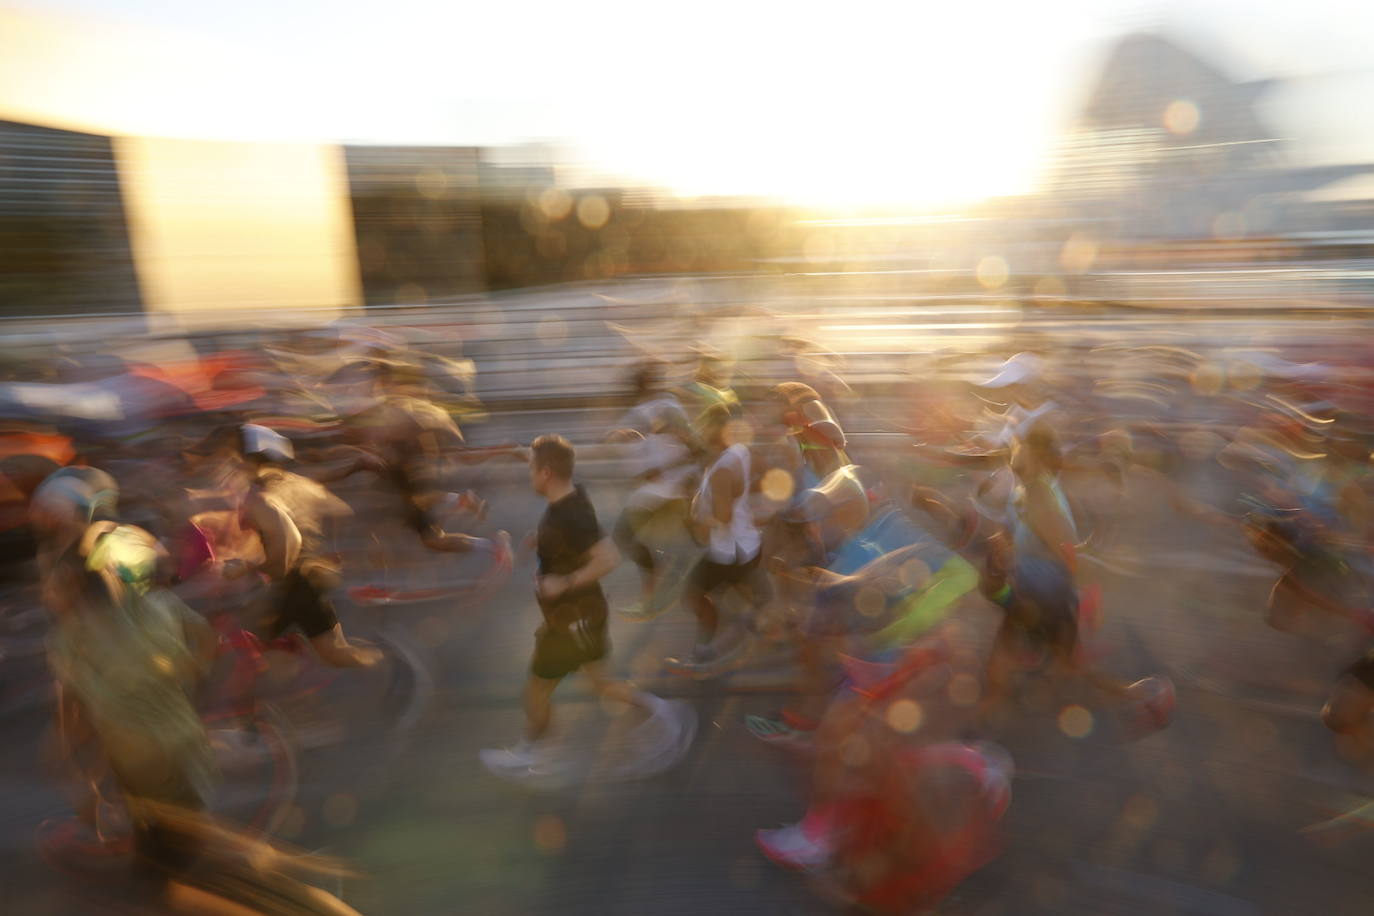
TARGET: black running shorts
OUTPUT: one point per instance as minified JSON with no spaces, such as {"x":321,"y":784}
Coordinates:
{"x":560,"y":651}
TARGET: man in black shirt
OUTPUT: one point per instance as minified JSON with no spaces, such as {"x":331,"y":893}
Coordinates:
{"x":574,"y":554}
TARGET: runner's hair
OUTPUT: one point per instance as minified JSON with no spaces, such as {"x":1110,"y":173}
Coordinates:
{"x":554,"y":453}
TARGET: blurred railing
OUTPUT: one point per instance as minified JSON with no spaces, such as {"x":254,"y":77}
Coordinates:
{"x":557,"y":357}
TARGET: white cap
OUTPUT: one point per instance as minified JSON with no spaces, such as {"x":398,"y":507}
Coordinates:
{"x":1022,"y":368}
{"x":259,"y":440}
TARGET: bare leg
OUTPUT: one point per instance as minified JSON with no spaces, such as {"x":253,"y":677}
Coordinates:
{"x":1284,"y":611}
{"x":1348,"y":714}
{"x":539,"y":705}
{"x":620,"y":691}
{"x":626,"y":534}
{"x":436,"y":538}
{"x":334,"y":649}
{"x":192,"y":901}
{"x":708,"y":617}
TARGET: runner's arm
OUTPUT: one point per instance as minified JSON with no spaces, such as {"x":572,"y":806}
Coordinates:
{"x":725,"y":488}
{"x":281,"y":539}
{"x":597,"y":563}
{"x":361,"y":460}
{"x":1048,"y":522}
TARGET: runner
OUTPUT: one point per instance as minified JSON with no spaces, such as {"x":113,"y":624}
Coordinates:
{"x":125,"y":654}
{"x":573,"y":556}
{"x":128,"y":656}
{"x":288,"y":512}
{"x":881,"y":582}
{"x":812,"y":429}
{"x":1030,"y":573}
{"x":894,"y":821}
{"x":409,"y":441}
{"x":722,"y":516}
{"x":660,"y":434}
{"x":709,"y":389}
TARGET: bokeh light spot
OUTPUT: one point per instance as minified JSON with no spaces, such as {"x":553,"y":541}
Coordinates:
{"x":550,"y":836}
{"x":1181,"y":117}
{"x":1075,"y":721}
{"x":913,"y":573}
{"x":870,"y":601}
{"x":1208,"y":379}
{"x":738,"y":432}
{"x":555,"y":204}
{"x":1221,"y":864}
{"x":854,"y":751}
{"x":1243,"y":376}
{"x":1078,"y":253}
{"x":593,"y":211}
{"x":1139,"y":813}
{"x":777,"y":485}
{"x":905,"y":716}
{"x":992,"y":272}
{"x":1199,"y":444}
{"x":431,"y":183}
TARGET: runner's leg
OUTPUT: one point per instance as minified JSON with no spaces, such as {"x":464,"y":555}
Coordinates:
{"x":698,"y":597}
{"x":538,"y":703}
{"x":626,"y":535}
{"x":1348,"y":711}
{"x":620,"y":691}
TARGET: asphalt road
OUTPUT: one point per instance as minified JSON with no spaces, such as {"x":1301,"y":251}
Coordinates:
{"x":1202,"y":818}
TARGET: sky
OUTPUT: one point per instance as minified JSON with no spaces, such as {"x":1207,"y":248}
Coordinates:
{"x":856,"y":103}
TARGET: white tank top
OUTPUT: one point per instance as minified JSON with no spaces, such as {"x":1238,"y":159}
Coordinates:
{"x":737,"y":542}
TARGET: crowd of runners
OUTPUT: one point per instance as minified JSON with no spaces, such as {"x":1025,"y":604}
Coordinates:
{"x":186,"y":549}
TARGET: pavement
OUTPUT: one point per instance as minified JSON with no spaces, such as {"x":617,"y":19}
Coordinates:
{"x":1205,"y":817}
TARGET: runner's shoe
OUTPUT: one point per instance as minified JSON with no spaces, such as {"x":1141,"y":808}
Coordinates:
{"x":1151,"y":708}
{"x":790,"y":847}
{"x":660,"y":741}
{"x":524,"y":755}
{"x":780,"y":733}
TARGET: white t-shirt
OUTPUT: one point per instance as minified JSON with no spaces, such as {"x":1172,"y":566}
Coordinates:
{"x":662,"y":453}
{"x":739,"y":541}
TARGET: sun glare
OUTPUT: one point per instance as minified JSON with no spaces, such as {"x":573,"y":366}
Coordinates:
{"x":890,"y":121}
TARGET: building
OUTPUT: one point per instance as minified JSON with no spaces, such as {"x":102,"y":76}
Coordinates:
{"x":64,"y":235}
{"x":418,"y":223}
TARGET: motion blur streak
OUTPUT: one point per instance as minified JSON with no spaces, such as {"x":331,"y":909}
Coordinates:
{"x":976,"y":544}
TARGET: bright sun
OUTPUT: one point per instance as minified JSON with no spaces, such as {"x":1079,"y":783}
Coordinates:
{"x":881,"y":116}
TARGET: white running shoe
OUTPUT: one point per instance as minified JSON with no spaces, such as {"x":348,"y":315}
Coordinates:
{"x":790,"y":847}
{"x":660,"y":741}
{"x":521,"y":756}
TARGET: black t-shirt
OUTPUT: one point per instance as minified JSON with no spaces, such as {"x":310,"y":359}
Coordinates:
{"x":566,"y":532}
